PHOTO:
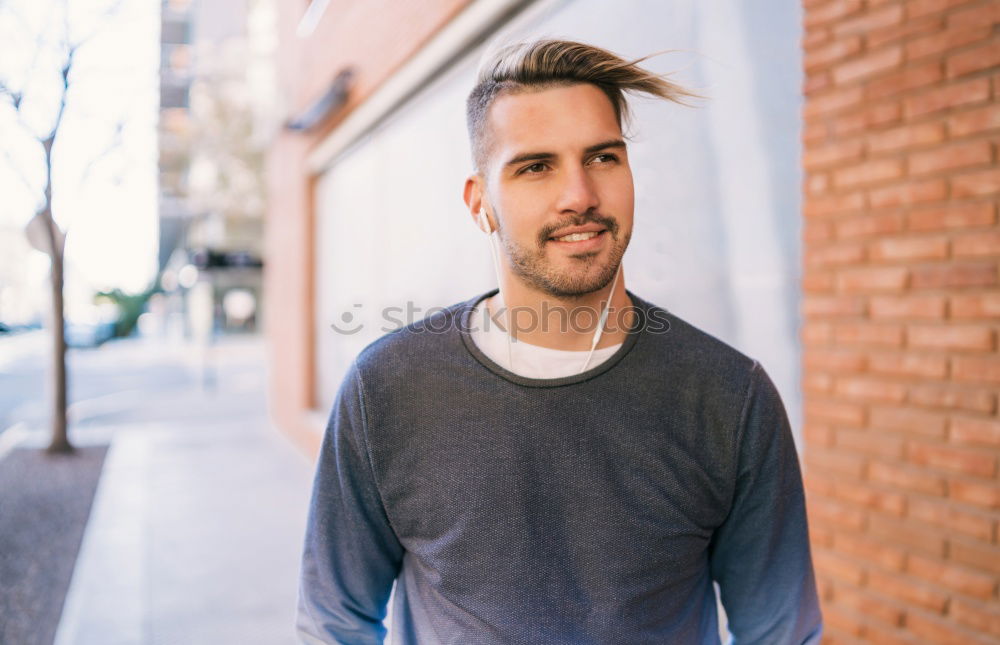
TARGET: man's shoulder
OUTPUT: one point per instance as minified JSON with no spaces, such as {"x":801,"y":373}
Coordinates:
{"x":434,"y":335}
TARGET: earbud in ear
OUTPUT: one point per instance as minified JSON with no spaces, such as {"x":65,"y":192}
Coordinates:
{"x":484,"y":222}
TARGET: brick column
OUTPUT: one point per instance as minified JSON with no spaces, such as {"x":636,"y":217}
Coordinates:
{"x":901,"y":309}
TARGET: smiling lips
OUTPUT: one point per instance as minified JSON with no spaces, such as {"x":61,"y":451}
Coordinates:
{"x":577,"y":234}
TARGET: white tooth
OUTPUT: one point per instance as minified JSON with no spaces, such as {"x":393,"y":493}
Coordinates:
{"x":577,"y":237}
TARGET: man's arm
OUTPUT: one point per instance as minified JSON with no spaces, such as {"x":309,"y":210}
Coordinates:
{"x":351,"y":554}
{"x":760,"y":555}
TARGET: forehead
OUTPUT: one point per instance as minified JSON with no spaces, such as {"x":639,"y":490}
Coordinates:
{"x":552,"y":119}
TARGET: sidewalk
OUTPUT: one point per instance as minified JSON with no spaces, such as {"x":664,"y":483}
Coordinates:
{"x":196,"y":528}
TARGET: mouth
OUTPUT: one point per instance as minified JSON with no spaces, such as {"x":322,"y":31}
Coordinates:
{"x":584,"y":241}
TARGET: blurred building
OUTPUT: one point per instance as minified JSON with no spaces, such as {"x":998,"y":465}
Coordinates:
{"x":217,"y":97}
{"x":870,"y":296}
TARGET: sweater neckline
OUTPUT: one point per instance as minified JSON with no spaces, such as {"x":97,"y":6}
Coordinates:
{"x":465,"y":311}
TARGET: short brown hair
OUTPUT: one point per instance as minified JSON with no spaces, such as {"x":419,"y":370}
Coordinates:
{"x":546,"y":63}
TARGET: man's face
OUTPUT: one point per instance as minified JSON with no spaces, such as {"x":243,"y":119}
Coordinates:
{"x":558,"y":164}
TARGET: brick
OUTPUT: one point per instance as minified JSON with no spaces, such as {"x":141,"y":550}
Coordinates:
{"x":909,"y":248}
{"x":975,"y":430}
{"x":838,"y":568}
{"x":976,"y":305}
{"x":834,"y":412}
{"x":872,"y":279}
{"x":866,"y":22}
{"x":879,"y":635}
{"x":917,"y":8}
{"x":913,"y":536}
{"x":975,"y":493}
{"x":964,"y":155}
{"x":974,"y":121}
{"x":832,"y":153}
{"x":870,"y":389}
{"x":908,"y":590}
{"x":975,"y":555}
{"x":817,"y":183}
{"x":867,"y":496}
{"x":973,"y":60}
{"x":834,"y":360}
{"x":943,"y":41}
{"x":834,"y":204}
{"x":906,"y":478}
{"x":953,"y":336}
{"x":813,"y":132}
{"x":908,"y":307}
{"x":910,"y":192}
{"x":965,"y":461}
{"x":817,"y":434}
{"x":831,"y":52}
{"x":953,"y":275}
{"x":904,"y":80}
{"x":868,"y":225}
{"x":817,"y":281}
{"x":832,"y":306}
{"x":816,"y":82}
{"x":952,"y":216}
{"x":835,"y":463}
{"x":912,"y":365}
{"x":869,"y":443}
{"x":908,"y":420}
{"x":832,"y":103}
{"x":906,"y":29}
{"x":951,"y":519}
{"x":843,"y":516}
{"x":869,"y":550}
{"x":831,"y":11}
{"x":982,"y":617}
{"x":868,"y":65}
{"x":868,"y":172}
{"x":815,"y":37}
{"x":815,"y":332}
{"x":814,"y":230}
{"x":957,"y":578}
{"x":977,"y":244}
{"x":976,"y":369}
{"x":817,"y":383}
{"x":905,"y":137}
{"x":952,"y":397}
{"x":948,"y":96}
{"x":975,"y":17}
{"x":835,"y":254}
{"x":868,"y":334}
{"x":933,"y":629}
{"x":982,"y":182}
{"x":868,"y":604}
{"x":845,"y":621}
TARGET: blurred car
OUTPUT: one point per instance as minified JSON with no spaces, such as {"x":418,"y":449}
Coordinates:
{"x":88,"y":334}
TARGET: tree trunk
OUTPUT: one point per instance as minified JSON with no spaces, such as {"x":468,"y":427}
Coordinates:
{"x":59,"y":436}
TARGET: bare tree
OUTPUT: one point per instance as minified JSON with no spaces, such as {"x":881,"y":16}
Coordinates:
{"x":43,"y":231}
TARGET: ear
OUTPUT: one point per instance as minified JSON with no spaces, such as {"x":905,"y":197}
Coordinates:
{"x":474,"y":199}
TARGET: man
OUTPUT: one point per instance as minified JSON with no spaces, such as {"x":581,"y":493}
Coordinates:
{"x":587,"y":482}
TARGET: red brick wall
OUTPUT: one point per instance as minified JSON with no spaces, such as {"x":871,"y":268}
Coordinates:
{"x":901,"y":309}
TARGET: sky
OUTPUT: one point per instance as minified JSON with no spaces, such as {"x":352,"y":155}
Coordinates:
{"x":104,"y":187}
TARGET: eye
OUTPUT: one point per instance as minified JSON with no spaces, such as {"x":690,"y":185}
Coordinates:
{"x":533,"y":169}
{"x":605,"y":157}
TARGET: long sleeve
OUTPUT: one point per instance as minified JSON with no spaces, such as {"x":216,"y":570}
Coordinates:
{"x":760,"y":555}
{"x":351,"y":555}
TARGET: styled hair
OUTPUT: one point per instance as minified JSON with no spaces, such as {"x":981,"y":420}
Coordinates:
{"x":547,"y":63}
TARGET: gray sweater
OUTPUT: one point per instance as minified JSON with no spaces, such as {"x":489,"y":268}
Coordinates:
{"x":587,"y":509}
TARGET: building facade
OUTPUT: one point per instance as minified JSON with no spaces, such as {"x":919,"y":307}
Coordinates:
{"x":815,"y":211}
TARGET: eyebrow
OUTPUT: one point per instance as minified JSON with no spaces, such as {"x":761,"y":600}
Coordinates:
{"x":543,"y":156}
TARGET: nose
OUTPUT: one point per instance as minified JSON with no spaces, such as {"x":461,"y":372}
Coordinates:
{"x":577,"y":192}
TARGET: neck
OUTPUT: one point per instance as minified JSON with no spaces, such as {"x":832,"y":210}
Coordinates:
{"x":559,"y":323}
